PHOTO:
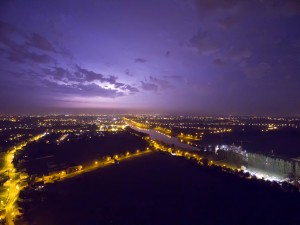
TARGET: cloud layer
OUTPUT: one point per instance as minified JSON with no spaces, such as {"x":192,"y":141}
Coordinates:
{"x":21,"y":49}
{"x":203,"y":56}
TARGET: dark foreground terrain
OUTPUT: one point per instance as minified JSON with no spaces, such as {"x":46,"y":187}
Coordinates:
{"x":161,"y":189}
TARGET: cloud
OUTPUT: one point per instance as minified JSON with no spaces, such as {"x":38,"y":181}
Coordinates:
{"x":227,"y":22}
{"x":7,"y":28}
{"x":279,"y":7}
{"x":22,"y":55}
{"x":128,"y":73}
{"x":168,"y":54}
{"x":84,"y":90}
{"x":286,"y":7}
{"x":8,"y":34}
{"x":89,"y":75}
{"x":156,"y":84}
{"x":172,"y":77}
{"x":204,"y":43}
{"x":40,"y":42}
{"x":81,"y":78}
{"x":209,"y":5}
{"x":162,"y":84}
{"x":65,"y":52}
{"x":140,"y":60}
{"x":50,"y":77}
{"x":257,"y":71}
{"x":17,"y":45}
{"x":149,"y":86}
{"x":58,"y":73}
{"x":95,"y":90}
{"x":17,"y":75}
{"x":239,"y":54}
{"x":219,"y":62}
{"x":93,"y":76}
{"x":127,"y":87}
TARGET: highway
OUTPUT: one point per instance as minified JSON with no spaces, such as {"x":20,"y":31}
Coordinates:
{"x":11,"y":191}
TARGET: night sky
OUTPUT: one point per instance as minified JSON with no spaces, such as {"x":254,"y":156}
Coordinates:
{"x":208,"y":57}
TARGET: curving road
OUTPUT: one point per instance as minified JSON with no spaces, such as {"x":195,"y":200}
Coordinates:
{"x":12,"y":189}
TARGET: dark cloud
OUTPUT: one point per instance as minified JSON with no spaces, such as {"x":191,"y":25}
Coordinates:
{"x":162,"y":84}
{"x":219,"y":62}
{"x":126,"y":87}
{"x":9,"y":33}
{"x":149,"y":86}
{"x":39,"y":58}
{"x":156,"y":84}
{"x":40,"y":42}
{"x":257,"y":71}
{"x":209,"y":5}
{"x":17,"y":75}
{"x":239,"y":54}
{"x":128,"y":73}
{"x":111,"y":79}
{"x":93,"y":76}
{"x":65,"y":52}
{"x":140,"y":60}
{"x":280,"y":7}
{"x":283,"y":7}
{"x":227,"y":22}
{"x":8,"y":28}
{"x":89,"y":75}
{"x":17,"y":45}
{"x":58,"y":73}
{"x":75,"y":79}
{"x":204,"y":43}
{"x":168,"y":53}
{"x":23,"y":55}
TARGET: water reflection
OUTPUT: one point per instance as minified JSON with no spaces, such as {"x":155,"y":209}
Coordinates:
{"x":164,"y":138}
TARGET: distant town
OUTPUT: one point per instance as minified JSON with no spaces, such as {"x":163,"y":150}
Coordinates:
{"x":40,"y":150}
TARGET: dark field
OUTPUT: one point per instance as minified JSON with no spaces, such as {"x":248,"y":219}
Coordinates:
{"x":84,"y":149}
{"x":161,"y":189}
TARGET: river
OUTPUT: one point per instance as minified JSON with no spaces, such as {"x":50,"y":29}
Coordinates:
{"x":158,"y":136}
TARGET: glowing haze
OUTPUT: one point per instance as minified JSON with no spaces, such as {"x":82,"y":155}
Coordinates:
{"x":205,"y":57}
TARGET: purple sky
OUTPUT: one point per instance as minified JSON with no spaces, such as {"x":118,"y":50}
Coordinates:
{"x":205,"y":57}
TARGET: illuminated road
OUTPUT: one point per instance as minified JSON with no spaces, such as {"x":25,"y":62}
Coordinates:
{"x":62,"y":175}
{"x":12,"y":189}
